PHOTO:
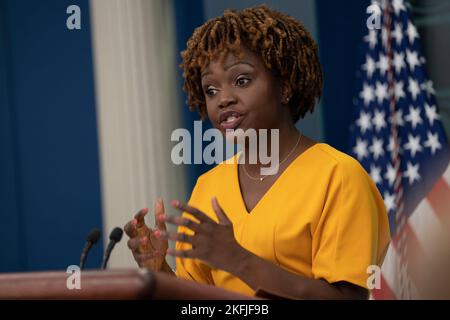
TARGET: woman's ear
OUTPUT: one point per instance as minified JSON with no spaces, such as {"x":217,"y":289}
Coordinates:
{"x":286,"y":92}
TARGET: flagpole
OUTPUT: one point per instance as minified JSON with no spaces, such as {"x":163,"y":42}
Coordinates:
{"x":400,"y":217}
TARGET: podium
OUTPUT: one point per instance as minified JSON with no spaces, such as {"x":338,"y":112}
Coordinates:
{"x":124,"y":284}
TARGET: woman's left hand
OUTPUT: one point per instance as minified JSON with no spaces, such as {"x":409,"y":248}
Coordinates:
{"x":212,"y":242}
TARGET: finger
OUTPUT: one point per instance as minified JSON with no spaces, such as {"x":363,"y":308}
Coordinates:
{"x":133,"y":244}
{"x":181,"y":237}
{"x":200,"y":216}
{"x":130,"y":228}
{"x":147,"y":256}
{"x":140,"y":217}
{"x":180,"y":221}
{"x":159,"y":213}
{"x":221,"y":215}
{"x":140,"y":245}
{"x":156,"y":241}
{"x":145,"y":243}
{"x":182,"y":253}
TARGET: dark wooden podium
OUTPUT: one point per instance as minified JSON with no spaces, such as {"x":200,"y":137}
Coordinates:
{"x":111,"y":284}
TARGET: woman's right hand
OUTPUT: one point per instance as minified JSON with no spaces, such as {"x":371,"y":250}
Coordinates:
{"x":148,"y":250}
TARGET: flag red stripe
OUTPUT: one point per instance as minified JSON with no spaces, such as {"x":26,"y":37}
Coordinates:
{"x":439,"y":199}
{"x":414,"y":256}
{"x":415,"y":251}
{"x":384,"y":293}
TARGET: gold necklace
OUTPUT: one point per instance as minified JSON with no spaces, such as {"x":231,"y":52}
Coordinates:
{"x":261,"y":178}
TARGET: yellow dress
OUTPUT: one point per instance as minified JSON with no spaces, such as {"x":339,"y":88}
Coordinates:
{"x":323,"y":218}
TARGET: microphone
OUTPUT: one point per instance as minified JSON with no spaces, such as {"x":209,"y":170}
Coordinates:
{"x":114,"y":237}
{"x":91,"y":239}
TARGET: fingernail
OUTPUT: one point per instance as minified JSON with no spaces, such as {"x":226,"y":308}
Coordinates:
{"x":144,"y":240}
{"x":134,"y":222}
{"x":157,"y":233}
{"x":175,"y":203}
{"x":162,"y":217}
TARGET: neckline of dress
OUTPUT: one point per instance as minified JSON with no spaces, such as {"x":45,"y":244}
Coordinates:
{"x":237,"y":184}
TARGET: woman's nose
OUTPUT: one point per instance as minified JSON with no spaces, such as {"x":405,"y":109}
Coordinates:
{"x":226,"y":100}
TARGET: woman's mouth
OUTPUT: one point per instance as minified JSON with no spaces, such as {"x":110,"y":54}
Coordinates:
{"x":230,"y":120}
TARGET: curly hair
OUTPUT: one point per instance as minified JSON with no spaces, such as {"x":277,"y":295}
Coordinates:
{"x":285,"y":46}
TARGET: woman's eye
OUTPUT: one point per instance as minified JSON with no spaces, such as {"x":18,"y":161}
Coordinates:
{"x":210,"y":91}
{"x":242,"y":81}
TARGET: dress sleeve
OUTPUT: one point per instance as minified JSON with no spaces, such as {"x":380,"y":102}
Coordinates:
{"x":353,"y":231}
{"x":192,"y":269}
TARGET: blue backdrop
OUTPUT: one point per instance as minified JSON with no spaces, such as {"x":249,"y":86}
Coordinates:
{"x":188,"y":16}
{"x":341,"y":30}
{"x":49,"y":185}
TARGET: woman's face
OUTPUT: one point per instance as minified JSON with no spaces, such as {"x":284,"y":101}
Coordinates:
{"x":242,"y":93}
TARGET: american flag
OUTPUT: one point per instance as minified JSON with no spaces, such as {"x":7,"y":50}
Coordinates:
{"x":399,"y":139}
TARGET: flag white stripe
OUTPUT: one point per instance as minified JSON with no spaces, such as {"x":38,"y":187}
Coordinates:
{"x":427,"y":228}
{"x":446,"y":175}
{"x":389,"y":269}
{"x":426,"y":225}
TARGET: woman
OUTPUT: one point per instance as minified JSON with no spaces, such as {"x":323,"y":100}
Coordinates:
{"x":311,"y":229}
